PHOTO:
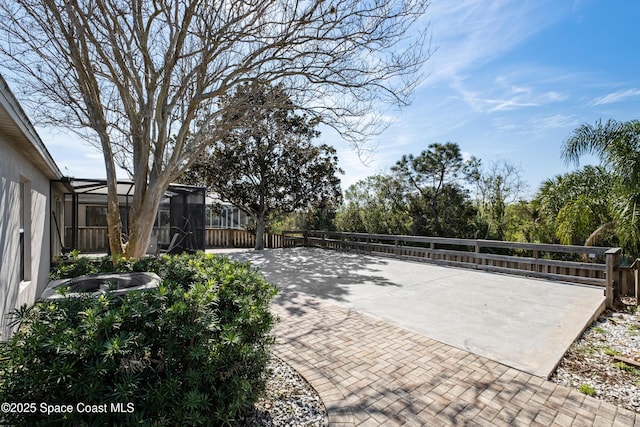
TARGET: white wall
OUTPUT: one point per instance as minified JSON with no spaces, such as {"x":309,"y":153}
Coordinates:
{"x":14,"y":168}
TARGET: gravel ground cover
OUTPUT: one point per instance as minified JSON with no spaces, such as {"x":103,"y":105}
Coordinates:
{"x":593,"y":363}
{"x":289,"y":401}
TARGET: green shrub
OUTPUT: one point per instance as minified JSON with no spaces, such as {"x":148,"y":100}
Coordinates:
{"x":192,"y":352}
{"x":587,"y":389}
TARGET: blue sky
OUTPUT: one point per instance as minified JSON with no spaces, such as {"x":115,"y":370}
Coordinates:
{"x":509,"y":80}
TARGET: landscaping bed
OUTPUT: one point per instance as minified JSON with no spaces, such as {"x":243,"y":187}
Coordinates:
{"x":602,"y":362}
{"x":193,"y":351}
{"x":288,"y":401}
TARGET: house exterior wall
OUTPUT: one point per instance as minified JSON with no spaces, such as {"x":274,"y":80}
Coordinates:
{"x":14,"y":169}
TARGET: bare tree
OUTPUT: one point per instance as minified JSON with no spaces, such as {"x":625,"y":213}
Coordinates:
{"x":497,"y":186}
{"x":144,"y":76}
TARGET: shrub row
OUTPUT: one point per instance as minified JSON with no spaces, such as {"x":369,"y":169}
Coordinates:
{"x":192,"y":352}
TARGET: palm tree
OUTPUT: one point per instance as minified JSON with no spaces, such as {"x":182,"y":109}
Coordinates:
{"x":617,"y":144}
{"x":577,"y":206}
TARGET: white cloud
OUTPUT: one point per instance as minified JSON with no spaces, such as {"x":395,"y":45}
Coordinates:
{"x":473,"y":32}
{"x":554,"y":96}
{"x":504,"y":97}
{"x":557,"y":121}
{"x":509,"y":104}
{"x":616,"y":97}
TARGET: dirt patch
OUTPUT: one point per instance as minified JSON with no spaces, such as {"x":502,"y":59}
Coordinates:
{"x":594,"y":363}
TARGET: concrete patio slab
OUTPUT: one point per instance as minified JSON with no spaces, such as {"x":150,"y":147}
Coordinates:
{"x":527,"y":324}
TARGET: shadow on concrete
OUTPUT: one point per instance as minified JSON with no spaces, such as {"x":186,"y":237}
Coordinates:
{"x":520,"y":322}
{"x":315,"y":272}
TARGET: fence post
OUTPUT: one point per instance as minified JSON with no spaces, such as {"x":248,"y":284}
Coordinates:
{"x":612,"y":257}
{"x":636,"y":288}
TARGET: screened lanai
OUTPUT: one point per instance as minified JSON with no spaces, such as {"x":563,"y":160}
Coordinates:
{"x":182,"y":212}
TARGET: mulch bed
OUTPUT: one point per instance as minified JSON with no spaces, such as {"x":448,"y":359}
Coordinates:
{"x":605,"y":360}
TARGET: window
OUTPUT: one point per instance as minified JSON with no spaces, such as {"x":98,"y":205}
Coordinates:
{"x":213,"y":219}
{"x":96,"y":216}
{"x":163,"y":218}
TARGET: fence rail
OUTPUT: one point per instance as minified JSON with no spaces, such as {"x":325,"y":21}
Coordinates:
{"x":237,"y":238}
{"x":94,"y":239}
{"x":599,"y":265}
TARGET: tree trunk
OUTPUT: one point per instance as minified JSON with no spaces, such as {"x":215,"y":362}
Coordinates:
{"x":114,"y":220}
{"x":141,"y":221}
{"x":260,"y":227}
{"x":114,"y":224}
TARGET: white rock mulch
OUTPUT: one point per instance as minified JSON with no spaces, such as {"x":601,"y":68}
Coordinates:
{"x":590,"y":360}
{"x":289,"y":401}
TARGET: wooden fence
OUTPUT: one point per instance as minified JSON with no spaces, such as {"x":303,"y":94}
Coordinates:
{"x":598,"y":266}
{"x":94,"y":239}
{"x":237,"y":238}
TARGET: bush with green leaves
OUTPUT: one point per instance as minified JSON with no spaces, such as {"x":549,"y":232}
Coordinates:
{"x":192,"y":352}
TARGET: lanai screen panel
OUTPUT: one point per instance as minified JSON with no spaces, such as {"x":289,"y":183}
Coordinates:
{"x":187,"y":209}
{"x":187,"y":218}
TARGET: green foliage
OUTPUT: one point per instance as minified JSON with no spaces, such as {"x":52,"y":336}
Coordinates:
{"x":577,"y":207}
{"x":497,"y":187}
{"x":587,"y":389}
{"x":520,"y":224}
{"x":611,"y":351}
{"x":77,"y":266}
{"x":192,"y":352}
{"x":422,"y":195}
{"x":617,"y":144}
{"x":315,"y":218}
{"x":456,"y":213}
{"x":432,"y":179}
{"x":267,"y":164}
{"x":627,"y":368}
{"x":376,"y":204}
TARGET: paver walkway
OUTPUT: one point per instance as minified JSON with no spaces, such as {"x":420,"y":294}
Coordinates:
{"x":369,"y":372}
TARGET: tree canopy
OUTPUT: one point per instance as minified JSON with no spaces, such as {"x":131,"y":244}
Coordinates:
{"x":617,"y":144}
{"x":141,"y":79}
{"x":432,"y":179}
{"x":376,"y":204}
{"x":498,"y":185}
{"x":421,"y":195}
{"x":267,"y":164}
{"x":576,"y":206}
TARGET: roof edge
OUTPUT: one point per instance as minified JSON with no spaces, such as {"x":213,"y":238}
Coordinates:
{"x":11,"y":104}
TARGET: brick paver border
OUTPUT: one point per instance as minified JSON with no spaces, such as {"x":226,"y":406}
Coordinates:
{"x":371,"y":373}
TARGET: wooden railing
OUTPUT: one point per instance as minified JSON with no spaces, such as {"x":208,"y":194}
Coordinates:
{"x":598,"y":267}
{"x":237,"y":238}
{"x":94,"y":239}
